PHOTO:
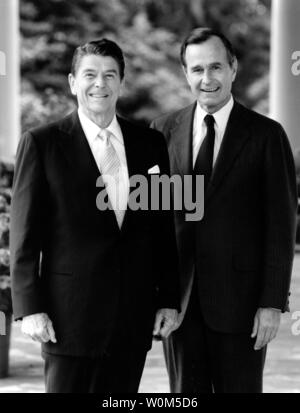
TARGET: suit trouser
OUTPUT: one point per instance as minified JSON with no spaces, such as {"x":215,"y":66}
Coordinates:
{"x":66,"y":374}
{"x":119,"y":370}
{"x":200,"y":360}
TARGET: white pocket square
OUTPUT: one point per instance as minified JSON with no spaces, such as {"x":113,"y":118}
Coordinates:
{"x":154,"y":170}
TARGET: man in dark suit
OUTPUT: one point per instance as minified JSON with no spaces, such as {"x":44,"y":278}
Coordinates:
{"x":235,"y":263}
{"x":91,"y":283}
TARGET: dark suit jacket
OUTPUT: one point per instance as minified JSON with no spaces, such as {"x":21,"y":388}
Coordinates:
{"x":90,"y":274}
{"x":242,"y":250}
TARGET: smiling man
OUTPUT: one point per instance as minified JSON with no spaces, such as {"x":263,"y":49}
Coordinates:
{"x":235,"y":264}
{"x":91,"y":285}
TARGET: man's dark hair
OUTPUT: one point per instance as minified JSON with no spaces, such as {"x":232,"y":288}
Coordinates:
{"x":200,"y":35}
{"x":102,"y":47}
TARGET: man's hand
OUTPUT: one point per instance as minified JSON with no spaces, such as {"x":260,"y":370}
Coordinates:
{"x":165,"y":322}
{"x":39,"y":327}
{"x":266,"y":325}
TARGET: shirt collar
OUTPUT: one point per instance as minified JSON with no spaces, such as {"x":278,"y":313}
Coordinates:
{"x":91,"y":130}
{"x":221,"y":116}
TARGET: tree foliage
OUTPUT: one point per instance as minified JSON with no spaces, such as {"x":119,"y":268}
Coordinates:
{"x":150,"y":33}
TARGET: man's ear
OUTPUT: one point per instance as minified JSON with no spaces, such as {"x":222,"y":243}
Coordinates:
{"x":122,"y":87}
{"x":71,"y":80}
{"x":234,"y":68}
{"x":184,"y":69}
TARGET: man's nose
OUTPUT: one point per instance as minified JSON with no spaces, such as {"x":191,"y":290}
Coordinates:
{"x":206,"y":78}
{"x":100,"y":81}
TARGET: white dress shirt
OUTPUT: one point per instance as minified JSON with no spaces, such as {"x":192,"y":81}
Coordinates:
{"x":200,"y":128}
{"x":119,"y":197}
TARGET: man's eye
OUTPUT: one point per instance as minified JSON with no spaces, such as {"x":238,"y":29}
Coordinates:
{"x":89,"y":75}
{"x":109,"y":76}
{"x":216,"y":67}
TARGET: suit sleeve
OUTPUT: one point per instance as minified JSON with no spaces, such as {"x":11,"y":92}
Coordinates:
{"x":280,"y":204}
{"x":168,"y":288}
{"x":26,"y":229}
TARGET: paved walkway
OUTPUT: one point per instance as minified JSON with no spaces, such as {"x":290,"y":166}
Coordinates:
{"x":282,"y":371}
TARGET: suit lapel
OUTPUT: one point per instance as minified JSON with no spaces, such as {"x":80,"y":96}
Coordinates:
{"x":181,"y":144}
{"x":81,"y":162}
{"x":131,"y":147}
{"x":235,"y":137}
{"x":76,"y":149}
{"x":133,"y":158}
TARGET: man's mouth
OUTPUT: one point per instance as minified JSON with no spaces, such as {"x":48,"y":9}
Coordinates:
{"x":97,"y":96}
{"x":210,"y":90}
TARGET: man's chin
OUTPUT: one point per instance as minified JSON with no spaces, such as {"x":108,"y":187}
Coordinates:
{"x":98,"y":109}
{"x":99,"y":106}
{"x":208,"y":103}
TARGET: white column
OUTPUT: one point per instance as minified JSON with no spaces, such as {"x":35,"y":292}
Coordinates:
{"x":285,"y":67}
{"x":9,"y":78}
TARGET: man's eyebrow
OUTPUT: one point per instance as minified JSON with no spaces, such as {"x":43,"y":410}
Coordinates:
{"x":198,"y":66}
{"x":111,"y":71}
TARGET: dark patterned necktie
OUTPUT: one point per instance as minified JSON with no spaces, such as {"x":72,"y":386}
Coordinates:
{"x":204,"y":161}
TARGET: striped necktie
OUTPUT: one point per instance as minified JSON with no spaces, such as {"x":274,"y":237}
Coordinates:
{"x":110,"y":162}
{"x":110,"y":166}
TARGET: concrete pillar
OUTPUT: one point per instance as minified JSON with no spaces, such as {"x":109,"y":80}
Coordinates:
{"x":285,"y":67}
{"x":9,"y":78}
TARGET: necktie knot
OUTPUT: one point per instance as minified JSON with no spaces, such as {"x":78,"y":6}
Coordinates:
{"x":104,"y":134}
{"x":209,"y":121}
